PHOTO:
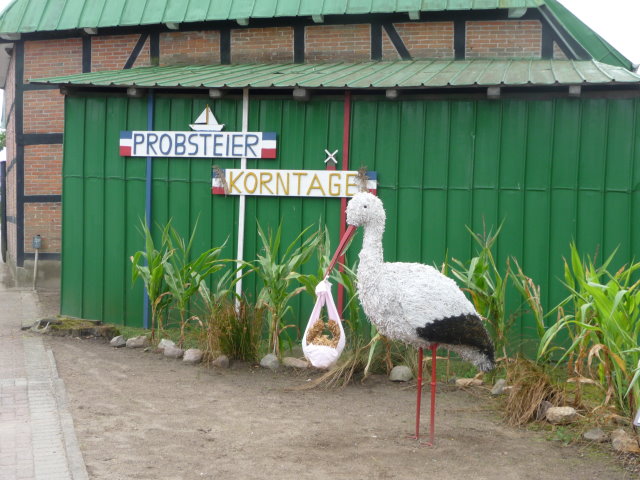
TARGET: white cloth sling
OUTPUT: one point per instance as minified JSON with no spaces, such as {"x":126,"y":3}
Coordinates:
{"x":323,"y":356}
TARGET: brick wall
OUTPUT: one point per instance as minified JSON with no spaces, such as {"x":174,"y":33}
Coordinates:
{"x":423,"y":40}
{"x":111,"y":52}
{"x":43,"y":169}
{"x":45,"y":58}
{"x":504,"y":39}
{"x":338,"y":43}
{"x":189,"y":47}
{"x":558,"y":54}
{"x":44,"y":111}
{"x":43,"y":219}
{"x":262,"y":45}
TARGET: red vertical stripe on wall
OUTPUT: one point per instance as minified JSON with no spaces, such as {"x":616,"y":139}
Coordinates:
{"x":346,"y":135}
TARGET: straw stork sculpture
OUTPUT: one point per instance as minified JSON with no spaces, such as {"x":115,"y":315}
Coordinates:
{"x":412,"y":302}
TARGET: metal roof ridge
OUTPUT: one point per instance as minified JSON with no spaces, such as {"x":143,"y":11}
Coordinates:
{"x":486,"y":68}
{"x":92,"y":14}
{"x":577,"y":70}
{"x":416,"y":63}
{"x":324,"y":70}
{"x":506,"y":70}
{"x":177,"y":72}
{"x":467,"y":65}
{"x":361,"y":66}
{"x":207,"y":15}
{"x":66,"y":3}
{"x":433,"y":74}
{"x":229,"y":77}
{"x":374,"y":64}
{"x":597,"y":65}
{"x":553,"y":71}
{"x":385,"y":70}
{"x":164,"y":10}
{"x":264,"y":71}
{"x":179,"y":19}
{"x":548,"y":62}
{"x":119,"y":16}
{"x":15,"y":7}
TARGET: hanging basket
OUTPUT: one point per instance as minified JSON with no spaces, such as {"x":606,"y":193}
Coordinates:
{"x":320,"y":349}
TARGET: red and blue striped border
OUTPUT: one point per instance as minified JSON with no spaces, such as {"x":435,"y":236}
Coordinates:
{"x":125,"y":143}
{"x":217,"y":183}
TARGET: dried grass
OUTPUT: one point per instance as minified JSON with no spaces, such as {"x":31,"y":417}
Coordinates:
{"x":531,"y":386}
{"x":317,"y":335}
{"x":352,"y":362}
{"x":233,"y":330}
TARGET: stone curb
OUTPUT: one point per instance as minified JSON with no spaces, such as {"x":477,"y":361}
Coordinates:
{"x":56,"y":453}
{"x":50,"y":435}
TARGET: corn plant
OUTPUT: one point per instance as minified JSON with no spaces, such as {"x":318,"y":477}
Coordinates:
{"x":481,"y":277}
{"x":348,"y":279}
{"x":277,"y":271}
{"x":183,"y":276}
{"x":603,"y":328}
{"x":323,"y":257}
{"x":530,"y":292}
{"x":224,"y":289}
{"x":149,"y":265}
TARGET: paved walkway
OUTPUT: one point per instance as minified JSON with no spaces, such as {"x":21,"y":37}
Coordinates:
{"x":37,"y":437}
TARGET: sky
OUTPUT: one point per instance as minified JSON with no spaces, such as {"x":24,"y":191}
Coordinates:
{"x":618,"y":22}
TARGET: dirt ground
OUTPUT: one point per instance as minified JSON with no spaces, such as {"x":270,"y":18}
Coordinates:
{"x":141,"y":416}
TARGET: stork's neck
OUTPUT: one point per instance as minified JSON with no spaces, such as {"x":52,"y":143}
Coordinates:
{"x":371,"y":254}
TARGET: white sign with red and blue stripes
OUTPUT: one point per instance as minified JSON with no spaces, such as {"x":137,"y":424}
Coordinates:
{"x":198,"y":144}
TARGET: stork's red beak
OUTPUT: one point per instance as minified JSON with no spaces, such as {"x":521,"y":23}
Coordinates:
{"x":342,"y":247}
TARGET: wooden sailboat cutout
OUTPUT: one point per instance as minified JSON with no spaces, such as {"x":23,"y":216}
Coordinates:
{"x":206,"y":122}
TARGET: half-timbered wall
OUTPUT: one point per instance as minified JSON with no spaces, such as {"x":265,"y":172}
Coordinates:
{"x":36,"y":112}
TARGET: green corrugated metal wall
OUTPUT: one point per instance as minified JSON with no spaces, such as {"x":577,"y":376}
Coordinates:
{"x":553,"y":170}
{"x":105,"y":193}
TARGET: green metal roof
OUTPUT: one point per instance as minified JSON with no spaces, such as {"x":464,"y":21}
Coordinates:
{"x":26,"y":16}
{"x":399,"y":74}
{"x":23,"y":16}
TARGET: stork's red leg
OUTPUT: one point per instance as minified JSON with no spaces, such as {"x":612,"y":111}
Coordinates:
{"x":418,"y":395}
{"x":432,"y":426}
